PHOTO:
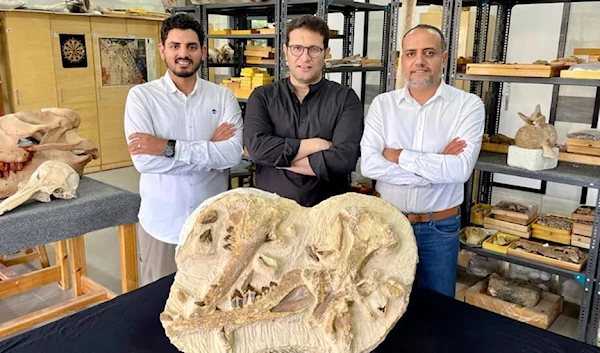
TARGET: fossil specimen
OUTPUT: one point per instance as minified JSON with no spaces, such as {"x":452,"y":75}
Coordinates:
{"x":515,"y":207}
{"x":591,"y":135}
{"x":562,"y":253}
{"x":259,"y":273}
{"x":555,"y":222}
{"x":537,"y":133}
{"x":474,"y":235}
{"x":29,"y":138}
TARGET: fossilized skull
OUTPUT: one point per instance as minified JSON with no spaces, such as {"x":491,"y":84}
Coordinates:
{"x":259,"y":273}
{"x":29,"y":138}
{"x":51,"y":178}
{"x":536,"y":133}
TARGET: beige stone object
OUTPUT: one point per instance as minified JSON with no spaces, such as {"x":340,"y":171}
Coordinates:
{"x":258,"y":273}
{"x":29,"y":138}
{"x":537,"y":133}
{"x":52,"y":178}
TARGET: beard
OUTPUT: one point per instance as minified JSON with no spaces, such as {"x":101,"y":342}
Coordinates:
{"x":425,"y":82}
{"x":183,"y":72}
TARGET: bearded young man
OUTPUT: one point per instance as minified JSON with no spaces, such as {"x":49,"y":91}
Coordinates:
{"x":303,"y":132}
{"x":420,"y":144}
{"x":183,"y":132}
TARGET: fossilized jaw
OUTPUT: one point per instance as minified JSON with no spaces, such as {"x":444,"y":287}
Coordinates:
{"x":259,"y":273}
{"x":29,"y":138}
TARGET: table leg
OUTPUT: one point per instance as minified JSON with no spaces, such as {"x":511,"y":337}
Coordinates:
{"x":129,"y":257}
{"x":78,"y":264}
{"x":62,"y":261}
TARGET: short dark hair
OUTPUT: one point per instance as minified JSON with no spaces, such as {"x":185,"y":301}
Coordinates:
{"x":181,"y":21}
{"x":312,"y":23}
{"x":426,"y":26}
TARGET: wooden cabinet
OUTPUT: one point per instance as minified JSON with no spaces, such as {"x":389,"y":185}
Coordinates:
{"x":29,"y":54}
{"x":76,"y":87}
{"x":35,"y":77}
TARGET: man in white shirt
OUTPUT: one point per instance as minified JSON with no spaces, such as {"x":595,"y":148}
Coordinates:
{"x":183,"y":133}
{"x":420,"y":144}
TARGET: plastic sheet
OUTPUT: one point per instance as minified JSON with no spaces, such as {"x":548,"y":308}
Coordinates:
{"x":591,"y":135}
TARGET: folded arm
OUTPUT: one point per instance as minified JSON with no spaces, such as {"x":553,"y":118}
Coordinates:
{"x":340,"y":159}
{"x":373,"y":164}
{"x":190,"y":156}
{"x":263,"y":146}
{"x":447,"y":168}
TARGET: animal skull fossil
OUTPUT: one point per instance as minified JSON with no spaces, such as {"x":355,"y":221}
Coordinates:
{"x":259,"y":273}
{"x":537,"y":133}
{"x":51,"y":178}
{"x":29,"y":138}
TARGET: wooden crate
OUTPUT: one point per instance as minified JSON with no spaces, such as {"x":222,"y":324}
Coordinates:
{"x":581,"y":241}
{"x":488,"y":244}
{"x":582,"y":143}
{"x":513,"y":216}
{"x":580,"y":214}
{"x":523,"y":231}
{"x":578,"y":158}
{"x":590,"y":75}
{"x":494,"y":147}
{"x":542,"y":315}
{"x":520,"y":70}
{"x":582,"y":228}
{"x":479,"y":212}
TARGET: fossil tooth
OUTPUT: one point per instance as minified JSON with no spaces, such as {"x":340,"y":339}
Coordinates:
{"x":227,"y":246}
{"x":206,"y":237}
{"x":209,"y":217}
{"x":298,"y":299}
{"x":312,"y":254}
{"x":200,"y":304}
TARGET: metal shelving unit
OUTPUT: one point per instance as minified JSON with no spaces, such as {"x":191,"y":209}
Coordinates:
{"x":489,"y":163}
{"x":280,"y":12}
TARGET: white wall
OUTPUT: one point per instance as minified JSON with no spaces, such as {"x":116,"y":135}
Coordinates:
{"x":148,"y":5}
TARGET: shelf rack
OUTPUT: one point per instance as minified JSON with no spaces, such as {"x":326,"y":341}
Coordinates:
{"x":279,"y":12}
{"x":489,"y":163}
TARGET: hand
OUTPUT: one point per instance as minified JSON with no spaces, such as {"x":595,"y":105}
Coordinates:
{"x":224,"y":132}
{"x":455,"y":147}
{"x":324,"y":144}
{"x":146,"y":144}
{"x":392,"y":155}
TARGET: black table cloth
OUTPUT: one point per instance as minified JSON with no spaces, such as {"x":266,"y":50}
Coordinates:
{"x":432,"y":323}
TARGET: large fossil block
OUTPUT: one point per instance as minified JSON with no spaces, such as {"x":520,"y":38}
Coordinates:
{"x":513,"y":291}
{"x":259,"y":273}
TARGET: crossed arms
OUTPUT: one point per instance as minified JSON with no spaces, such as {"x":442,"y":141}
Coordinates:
{"x":222,"y":151}
{"x":411,"y":168}
{"x":313,"y":156}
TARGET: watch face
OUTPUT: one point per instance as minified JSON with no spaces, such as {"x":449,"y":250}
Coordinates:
{"x":169,"y":151}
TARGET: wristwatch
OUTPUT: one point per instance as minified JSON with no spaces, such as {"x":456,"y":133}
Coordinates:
{"x":169,"y":149}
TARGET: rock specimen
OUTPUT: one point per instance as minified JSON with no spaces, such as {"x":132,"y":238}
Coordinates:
{"x":537,"y":133}
{"x":258,"y":273}
{"x":514,"y":291}
{"x":29,"y":138}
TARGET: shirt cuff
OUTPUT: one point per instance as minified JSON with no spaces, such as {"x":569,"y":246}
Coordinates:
{"x":318,"y":165}
{"x":408,"y":160}
{"x":290,"y":150}
{"x":183,"y":152}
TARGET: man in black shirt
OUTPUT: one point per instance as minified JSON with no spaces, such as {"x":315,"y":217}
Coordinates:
{"x":304,"y":132}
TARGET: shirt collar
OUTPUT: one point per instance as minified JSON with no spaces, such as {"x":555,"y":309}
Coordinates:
{"x":312,"y":89}
{"x":443,"y":91}
{"x":171,"y":88}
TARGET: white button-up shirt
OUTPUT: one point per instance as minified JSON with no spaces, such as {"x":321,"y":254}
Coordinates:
{"x":172,"y":188}
{"x":424,"y":179}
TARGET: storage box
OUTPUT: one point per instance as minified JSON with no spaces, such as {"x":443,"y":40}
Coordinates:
{"x":542,"y":315}
{"x":479,"y":212}
{"x":489,"y":244}
{"x":520,"y":70}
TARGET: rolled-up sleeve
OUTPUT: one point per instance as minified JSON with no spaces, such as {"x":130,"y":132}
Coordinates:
{"x":341,"y":158}
{"x":260,"y":140}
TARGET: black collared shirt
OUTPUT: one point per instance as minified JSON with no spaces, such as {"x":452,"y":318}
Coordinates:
{"x":275,"y":122}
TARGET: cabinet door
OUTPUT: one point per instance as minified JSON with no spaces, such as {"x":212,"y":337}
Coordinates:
{"x":110,"y":98}
{"x":29,"y":50}
{"x":75,"y":78}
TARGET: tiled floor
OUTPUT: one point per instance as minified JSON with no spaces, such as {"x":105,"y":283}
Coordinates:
{"x":102,"y":252}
